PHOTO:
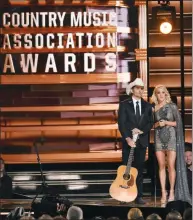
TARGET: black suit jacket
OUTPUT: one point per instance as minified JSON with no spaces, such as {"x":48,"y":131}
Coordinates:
{"x":127,"y":120}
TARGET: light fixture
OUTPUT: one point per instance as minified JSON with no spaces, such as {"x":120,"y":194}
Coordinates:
{"x":165,"y":27}
{"x":163,"y":17}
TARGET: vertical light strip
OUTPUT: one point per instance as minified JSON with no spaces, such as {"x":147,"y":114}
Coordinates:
{"x":123,"y":76}
{"x":143,"y":43}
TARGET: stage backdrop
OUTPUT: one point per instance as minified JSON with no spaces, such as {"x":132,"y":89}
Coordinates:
{"x":64,"y":66}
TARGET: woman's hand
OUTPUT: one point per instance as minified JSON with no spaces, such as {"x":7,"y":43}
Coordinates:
{"x":156,"y":124}
{"x":162,"y":123}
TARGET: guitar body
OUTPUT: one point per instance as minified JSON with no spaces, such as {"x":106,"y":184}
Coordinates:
{"x":124,"y":187}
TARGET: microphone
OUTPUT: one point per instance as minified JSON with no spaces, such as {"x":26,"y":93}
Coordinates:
{"x":40,"y":140}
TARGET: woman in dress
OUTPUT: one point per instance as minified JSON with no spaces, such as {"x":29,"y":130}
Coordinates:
{"x":169,"y":141}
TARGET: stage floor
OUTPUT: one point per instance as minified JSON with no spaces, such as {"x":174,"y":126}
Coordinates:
{"x":10,"y":204}
{"x":150,"y":202}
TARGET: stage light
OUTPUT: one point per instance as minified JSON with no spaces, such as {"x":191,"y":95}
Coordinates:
{"x":63,"y":177}
{"x":22,"y":178}
{"x":77,"y":187}
{"x":164,"y":17}
{"x":166,"y":27}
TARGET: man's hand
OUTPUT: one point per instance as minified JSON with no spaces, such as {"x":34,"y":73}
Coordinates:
{"x":130,"y":142}
{"x":136,"y":131}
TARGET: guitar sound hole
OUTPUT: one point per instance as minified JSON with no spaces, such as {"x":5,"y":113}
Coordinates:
{"x":126,"y":176}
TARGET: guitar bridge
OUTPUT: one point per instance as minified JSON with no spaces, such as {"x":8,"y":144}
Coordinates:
{"x":124,"y":187}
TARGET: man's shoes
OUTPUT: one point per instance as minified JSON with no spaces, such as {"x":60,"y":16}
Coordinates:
{"x":122,"y":203}
{"x":140,"y":201}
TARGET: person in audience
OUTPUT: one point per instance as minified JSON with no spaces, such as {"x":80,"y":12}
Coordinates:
{"x":173,"y":215}
{"x":59,"y":217}
{"x":169,"y":140}
{"x":187,"y":214}
{"x":5,"y":182}
{"x":98,"y":218}
{"x":153,"y":217}
{"x":74,"y":213}
{"x":113,"y":218}
{"x":45,"y":217}
{"x":135,"y":214}
{"x":188,"y":160}
{"x":27,"y":218}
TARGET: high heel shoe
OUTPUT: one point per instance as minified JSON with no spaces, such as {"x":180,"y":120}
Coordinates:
{"x":171,"y":197}
{"x":164,"y":199}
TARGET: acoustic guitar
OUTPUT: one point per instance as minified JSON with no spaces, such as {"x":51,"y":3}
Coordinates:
{"x":124,"y":187}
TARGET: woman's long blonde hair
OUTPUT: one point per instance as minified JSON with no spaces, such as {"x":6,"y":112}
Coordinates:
{"x":154,"y":96}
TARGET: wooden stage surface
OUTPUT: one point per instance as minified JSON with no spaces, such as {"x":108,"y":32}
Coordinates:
{"x":7,"y":205}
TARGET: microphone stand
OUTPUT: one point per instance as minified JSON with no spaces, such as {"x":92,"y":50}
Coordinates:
{"x":44,"y":186}
{"x":55,"y":198}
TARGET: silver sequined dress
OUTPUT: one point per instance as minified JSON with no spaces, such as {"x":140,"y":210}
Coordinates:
{"x":165,"y":137}
{"x":166,"y":140}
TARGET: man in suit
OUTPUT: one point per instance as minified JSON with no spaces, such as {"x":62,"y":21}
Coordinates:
{"x":188,"y":160}
{"x":135,"y":117}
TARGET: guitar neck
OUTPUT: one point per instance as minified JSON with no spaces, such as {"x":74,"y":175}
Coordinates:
{"x":130,"y":159}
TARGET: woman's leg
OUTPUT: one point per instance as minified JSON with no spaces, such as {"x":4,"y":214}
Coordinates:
{"x":162,"y":173}
{"x":171,"y":157}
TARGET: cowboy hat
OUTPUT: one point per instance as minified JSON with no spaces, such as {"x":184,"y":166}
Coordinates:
{"x":136,"y":82}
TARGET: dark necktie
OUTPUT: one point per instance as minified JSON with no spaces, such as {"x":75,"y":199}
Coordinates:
{"x":137,"y":112}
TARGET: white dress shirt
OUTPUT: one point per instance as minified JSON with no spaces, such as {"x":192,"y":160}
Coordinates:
{"x":135,"y":103}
